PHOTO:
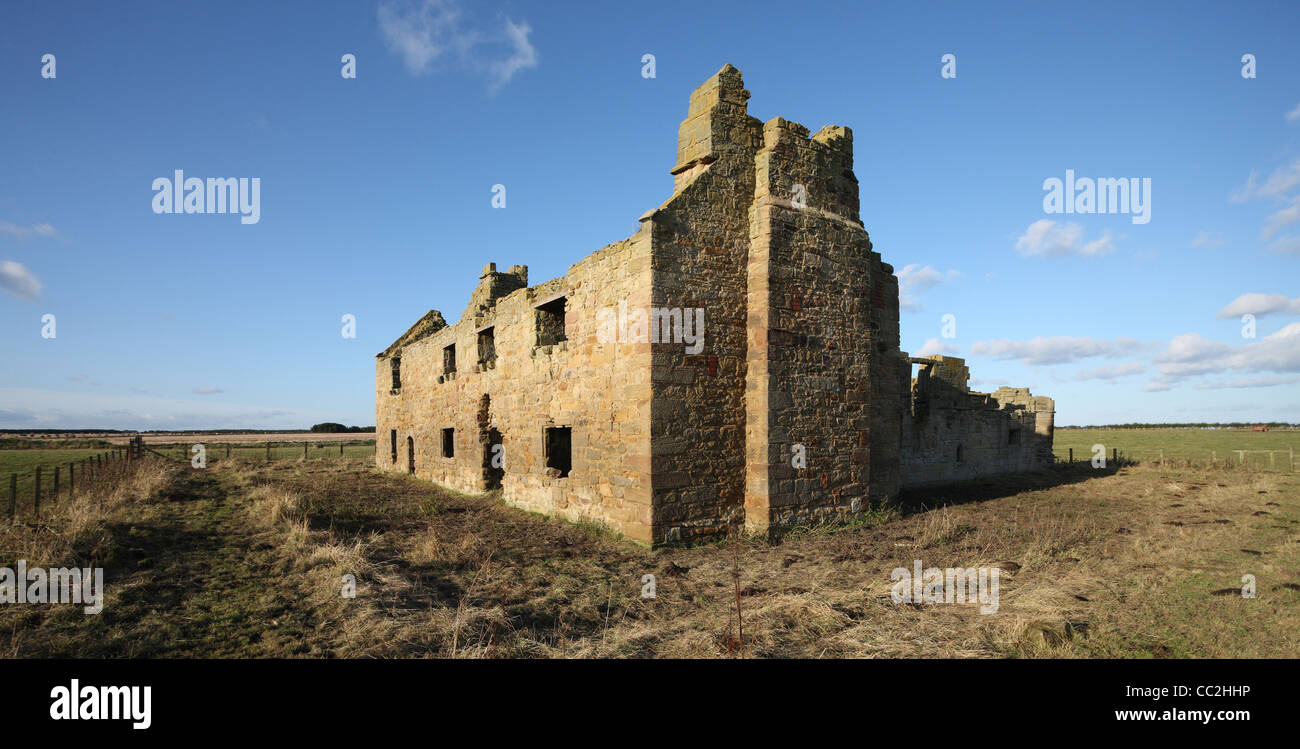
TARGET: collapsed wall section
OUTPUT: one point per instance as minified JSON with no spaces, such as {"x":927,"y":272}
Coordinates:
{"x":951,"y":434}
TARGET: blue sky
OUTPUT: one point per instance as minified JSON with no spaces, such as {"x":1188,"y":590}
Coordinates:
{"x":375,"y":192}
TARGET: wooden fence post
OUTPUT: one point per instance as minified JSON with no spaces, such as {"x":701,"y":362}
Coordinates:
{"x":54,"y":494}
{"x":36,"y":495}
{"x":72,"y":480}
{"x":341,"y":449}
{"x":227,"y":449}
{"x":1114,"y":456}
{"x":304,"y":451}
{"x":268,"y":451}
{"x":1071,"y":454}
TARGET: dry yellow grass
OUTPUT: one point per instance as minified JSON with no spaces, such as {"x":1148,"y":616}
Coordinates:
{"x":1127,"y":563}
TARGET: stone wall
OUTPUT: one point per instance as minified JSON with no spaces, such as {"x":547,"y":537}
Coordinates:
{"x":700,"y":242}
{"x":601,"y":391}
{"x":951,"y":434}
{"x":670,"y":440}
{"x":823,"y":414}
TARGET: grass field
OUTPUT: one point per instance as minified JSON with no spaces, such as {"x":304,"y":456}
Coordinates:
{"x":246,"y":559}
{"x":1179,"y":444}
{"x":23,"y":462}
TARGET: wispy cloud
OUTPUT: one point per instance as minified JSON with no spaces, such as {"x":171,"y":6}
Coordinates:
{"x":915,"y":278}
{"x":1111,"y":371}
{"x":1047,"y":238}
{"x":1284,"y":217}
{"x":1293,"y":117}
{"x":207,"y":390}
{"x":1248,"y":382}
{"x":1057,"y":349}
{"x":1259,"y":305}
{"x":427,"y":32}
{"x":1208,"y":239}
{"x":937,"y":346}
{"x":1287,"y":245}
{"x":1276,"y":185}
{"x":522,"y":55}
{"x":28,"y":232}
{"x":17,"y":281}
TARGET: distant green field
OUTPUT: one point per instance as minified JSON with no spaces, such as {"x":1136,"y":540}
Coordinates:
{"x":23,"y":462}
{"x":279,"y":451}
{"x":1179,"y":444}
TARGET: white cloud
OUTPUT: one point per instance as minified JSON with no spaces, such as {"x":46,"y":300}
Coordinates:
{"x":27,"y":232}
{"x":1288,"y":244}
{"x":1249,"y":382}
{"x":937,"y":346}
{"x":425,"y":32}
{"x":1278,"y":183}
{"x":522,"y":56}
{"x":1057,"y":349}
{"x":1111,"y":371}
{"x":207,"y":390}
{"x":1208,"y":239}
{"x":18,"y":281}
{"x":1189,"y":355}
{"x":1158,"y":385}
{"x":915,"y":278}
{"x":1259,"y":305}
{"x":422,"y":34}
{"x":1293,"y":117}
{"x":1284,"y":217}
{"x":1047,"y":238}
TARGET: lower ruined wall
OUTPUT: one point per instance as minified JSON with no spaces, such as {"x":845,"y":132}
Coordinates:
{"x":955,"y":436}
{"x":930,"y":449}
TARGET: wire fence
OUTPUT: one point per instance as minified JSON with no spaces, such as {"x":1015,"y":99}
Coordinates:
{"x":35,"y":491}
{"x":1262,"y":460}
{"x":46,"y":485}
{"x":216,"y":451}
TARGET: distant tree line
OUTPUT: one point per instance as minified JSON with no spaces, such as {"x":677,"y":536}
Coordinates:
{"x":332,"y":427}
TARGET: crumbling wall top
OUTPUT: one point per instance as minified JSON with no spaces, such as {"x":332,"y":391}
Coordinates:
{"x":426,"y":326}
{"x":494,"y":285}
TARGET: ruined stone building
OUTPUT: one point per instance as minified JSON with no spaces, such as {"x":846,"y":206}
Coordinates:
{"x":795,"y":404}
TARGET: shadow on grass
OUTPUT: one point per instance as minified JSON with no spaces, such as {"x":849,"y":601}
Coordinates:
{"x":922,"y":499}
